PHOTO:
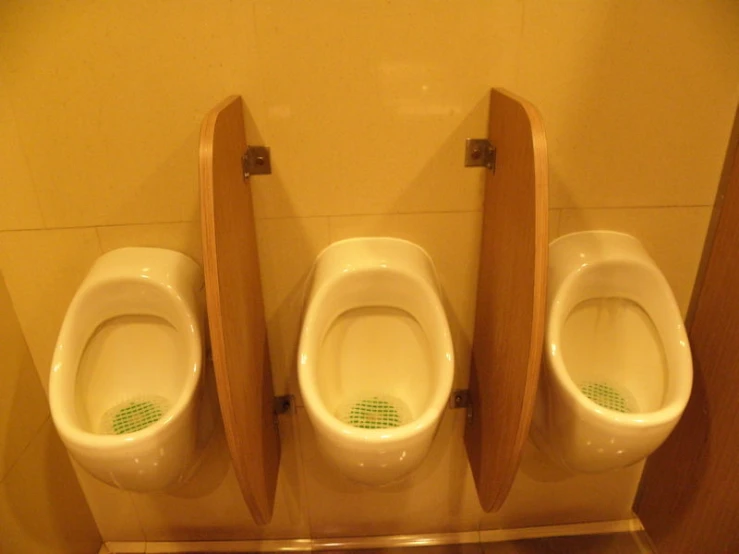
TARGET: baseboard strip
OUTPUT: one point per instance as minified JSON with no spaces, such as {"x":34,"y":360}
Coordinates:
{"x":359,"y":543}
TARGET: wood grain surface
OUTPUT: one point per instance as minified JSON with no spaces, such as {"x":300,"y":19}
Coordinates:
{"x":511,"y":298}
{"x":235,"y":309}
{"x":689,"y":500}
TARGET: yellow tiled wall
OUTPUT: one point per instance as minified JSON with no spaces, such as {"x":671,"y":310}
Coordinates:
{"x":366,"y":105}
{"x":42,"y":508}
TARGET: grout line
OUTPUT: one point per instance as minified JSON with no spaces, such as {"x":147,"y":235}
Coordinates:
{"x":94,"y":226}
{"x":131,"y":499}
{"x":25,"y":449}
{"x":645,"y":207}
{"x":333,"y":216}
{"x":374,"y":214}
{"x":100,"y":241}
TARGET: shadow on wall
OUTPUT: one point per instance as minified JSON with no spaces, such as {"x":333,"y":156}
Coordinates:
{"x":42,"y":508}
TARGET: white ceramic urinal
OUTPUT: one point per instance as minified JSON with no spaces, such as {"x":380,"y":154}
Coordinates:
{"x":125,"y":381}
{"x":375,"y":362}
{"x":618,"y":370}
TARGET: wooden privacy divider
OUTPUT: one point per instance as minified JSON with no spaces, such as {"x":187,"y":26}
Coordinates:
{"x":236,"y":322}
{"x":689,"y":497}
{"x":511,"y":298}
{"x":511,"y":301}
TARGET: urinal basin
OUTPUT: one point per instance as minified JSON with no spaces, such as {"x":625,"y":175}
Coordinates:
{"x":124,"y":388}
{"x":375,"y":361}
{"x":617,"y":372}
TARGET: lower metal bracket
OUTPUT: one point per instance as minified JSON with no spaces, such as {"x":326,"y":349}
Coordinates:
{"x":460,"y":398}
{"x":283,"y":404}
{"x":479,"y":153}
{"x":256,"y":161}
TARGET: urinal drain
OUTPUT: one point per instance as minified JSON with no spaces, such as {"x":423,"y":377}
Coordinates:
{"x":375,"y":412}
{"x":133,"y":415}
{"x":606,"y":396}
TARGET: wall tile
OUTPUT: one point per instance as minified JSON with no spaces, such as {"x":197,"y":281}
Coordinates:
{"x":637,"y":100}
{"x":545,"y":495}
{"x":441,"y":496}
{"x":453,"y":242}
{"x":23,"y":406}
{"x":42,"y":272}
{"x":115,"y":140}
{"x":183,"y":237}
{"x":438,"y":497}
{"x":113,"y":508}
{"x":41,"y":508}
{"x":673,"y":237}
{"x":287,"y":249}
{"x":20,"y":206}
{"x":357,"y":126}
{"x":211,"y":506}
{"x":373,"y":117}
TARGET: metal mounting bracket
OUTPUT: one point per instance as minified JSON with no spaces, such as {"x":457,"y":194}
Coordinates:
{"x":460,"y":398}
{"x":256,"y":161}
{"x":283,"y":404}
{"x":479,"y":153}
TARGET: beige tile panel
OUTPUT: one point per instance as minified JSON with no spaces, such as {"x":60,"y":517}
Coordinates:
{"x":42,"y":509}
{"x":42,"y":272}
{"x":115,"y":139}
{"x":211,"y":508}
{"x":113,"y":508}
{"x":183,"y":237}
{"x":439,"y":497}
{"x":287,"y":249}
{"x":637,"y":100}
{"x":545,"y":495}
{"x":453,"y":242}
{"x":673,"y":237}
{"x":23,"y":405}
{"x":19,"y":208}
{"x":359,"y":125}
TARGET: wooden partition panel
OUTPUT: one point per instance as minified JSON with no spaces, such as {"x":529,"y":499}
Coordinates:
{"x":511,"y":298}
{"x":235,"y":308}
{"x":689,"y":498}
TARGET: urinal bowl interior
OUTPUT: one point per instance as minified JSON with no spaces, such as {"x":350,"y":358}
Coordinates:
{"x":618,"y":371}
{"x":375,"y":371}
{"x":124,"y":388}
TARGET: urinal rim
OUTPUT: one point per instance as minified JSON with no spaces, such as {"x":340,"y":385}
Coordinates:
{"x":190,"y":331}
{"x":307,"y":353}
{"x":681,"y":371}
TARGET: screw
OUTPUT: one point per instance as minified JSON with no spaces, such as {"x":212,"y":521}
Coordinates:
{"x":260,"y":160}
{"x":476,"y":153}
